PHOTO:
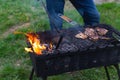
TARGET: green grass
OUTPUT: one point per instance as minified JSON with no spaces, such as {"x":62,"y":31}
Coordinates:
{"x":110,"y":14}
{"x":14,"y":61}
{"x":15,"y":12}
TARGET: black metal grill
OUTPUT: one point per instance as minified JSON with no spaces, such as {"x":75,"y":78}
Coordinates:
{"x":82,"y":55}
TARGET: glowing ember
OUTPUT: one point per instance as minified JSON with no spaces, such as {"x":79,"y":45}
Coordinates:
{"x":37,"y":47}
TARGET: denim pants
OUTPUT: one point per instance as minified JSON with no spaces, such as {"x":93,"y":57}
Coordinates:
{"x":86,"y":9}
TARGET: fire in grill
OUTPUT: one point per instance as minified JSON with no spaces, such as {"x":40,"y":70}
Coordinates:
{"x":96,"y":46}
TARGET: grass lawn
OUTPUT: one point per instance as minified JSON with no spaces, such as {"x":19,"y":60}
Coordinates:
{"x":14,"y":61}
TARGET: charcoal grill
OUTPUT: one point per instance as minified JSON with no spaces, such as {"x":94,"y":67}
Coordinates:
{"x":76,"y":54}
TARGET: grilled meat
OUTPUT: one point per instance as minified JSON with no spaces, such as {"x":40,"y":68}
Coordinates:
{"x":101,"y":31}
{"x":93,"y":34}
{"x":81,"y":35}
{"x":90,"y":32}
{"x":94,"y":38}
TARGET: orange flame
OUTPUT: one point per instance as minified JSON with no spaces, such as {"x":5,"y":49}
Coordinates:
{"x":28,"y":49}
{"x":35,"y":42}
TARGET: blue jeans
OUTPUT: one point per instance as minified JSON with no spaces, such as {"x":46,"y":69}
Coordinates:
{"x":86,"y":9}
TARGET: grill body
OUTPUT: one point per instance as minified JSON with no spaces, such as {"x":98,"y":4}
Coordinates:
{"x":56,"y":63}
{"x":84,"y":55}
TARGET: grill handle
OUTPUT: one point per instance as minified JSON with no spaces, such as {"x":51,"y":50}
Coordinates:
{"x":59,"y":41}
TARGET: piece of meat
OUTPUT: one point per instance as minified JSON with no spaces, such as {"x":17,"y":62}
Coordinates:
{"x":101,"y":31}
{"x":89,"y":32}
{"x":81,"y":35}
{"x":94,"y":38}
{"x":92,"y":34}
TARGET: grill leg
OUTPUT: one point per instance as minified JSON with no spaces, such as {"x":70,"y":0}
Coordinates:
{"x":118,"y":70}
{"x":31,"y":75}
{"x":107,"y":73}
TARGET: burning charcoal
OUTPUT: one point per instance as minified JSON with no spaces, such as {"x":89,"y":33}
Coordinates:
{"x":49,"y":49}
{"x":101,"y":31}
{"x":47,"y":45}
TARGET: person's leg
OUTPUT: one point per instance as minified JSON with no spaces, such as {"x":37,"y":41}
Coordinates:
{"x":88,"y":11}
{"x":54,"y":7}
